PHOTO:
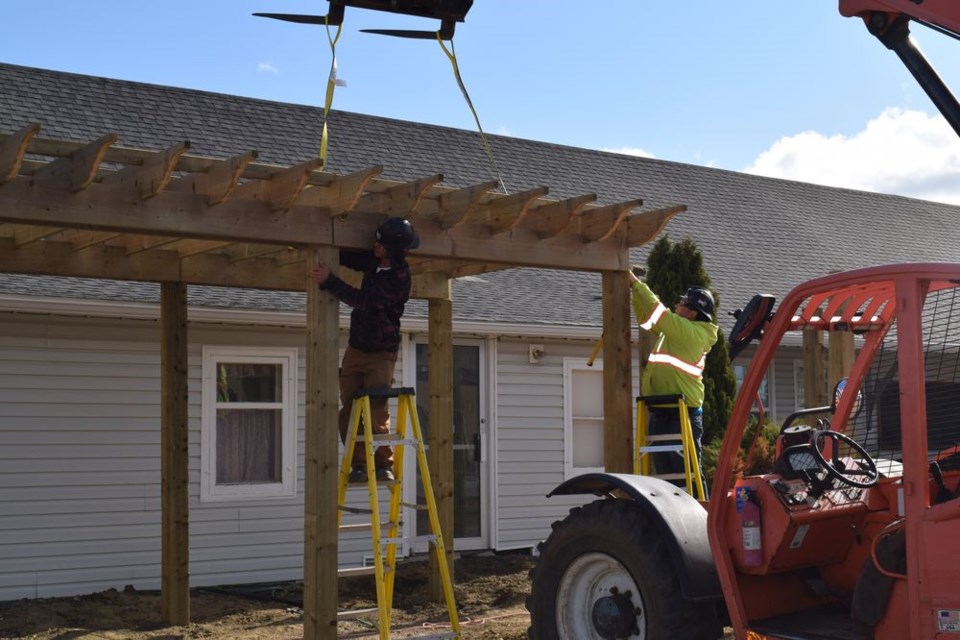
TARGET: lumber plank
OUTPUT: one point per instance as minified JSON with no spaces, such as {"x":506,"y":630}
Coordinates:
{"x":505,"y":212}
{"x":340,"y":193}
{"x":454,"y":206}
{"x":644,"y":226}
{"x":283,"y":188}
{"x":398,"y":200}
{"x":12,"y":149}
{"x":553,"y":218}
{"x":77,"y":170}
{"x":151,"y":176}
{"x":601,"y":222}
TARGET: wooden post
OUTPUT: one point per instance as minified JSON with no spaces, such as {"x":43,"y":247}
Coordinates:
{"x":321,"y":452}
{"x":617,"y":374}
{"x":814,"y":394}
{"x":839,"y":357}
{"x":440,"y":408}
{"x":174,"y":456}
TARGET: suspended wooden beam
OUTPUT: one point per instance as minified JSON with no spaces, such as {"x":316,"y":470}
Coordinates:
{"x":399,"y":200}
{"x":187,"y":248}
{"x":645,"y":226}
{"x":506,"y":212}
{"x":81,"y":239}
{"x":134,"y":244}
{"x":281,"y":190}
{"x":152,"y":175}
{"x":340,"y":193}
{"x":601,"y":223}
{"x":12,"y":150}
{"x":455,"y":205}
{"x":552,"y":218}
{"x":76,"y":171}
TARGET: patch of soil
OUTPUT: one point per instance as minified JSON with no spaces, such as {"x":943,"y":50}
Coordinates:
{"x":490,"y":590}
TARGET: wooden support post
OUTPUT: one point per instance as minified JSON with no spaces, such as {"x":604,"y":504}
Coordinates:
{"x":617,"y":374}
{"x":321,"y":457}
{"x":174,"y":456}
{"x":839,"y":357}
{"x":440,"y":410}
{"x":814,"y":384}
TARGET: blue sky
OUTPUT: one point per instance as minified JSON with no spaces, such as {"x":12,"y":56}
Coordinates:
{"x":787,"y":89}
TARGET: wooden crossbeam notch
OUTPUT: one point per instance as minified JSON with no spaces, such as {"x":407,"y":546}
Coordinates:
{"x":600,"y":223}
{"x":399,"y":200}
{"x":78,"y":170}
{"x":506,"y":212}
{"x":645,"y":226}
{"x":151,"y":176}
{"x":341,"y":193}
{"x":552,"y":218}
{"x":455,"y":205}
{"x":219,"y":180}
{"x":283,"y":188}
{"x":12,"y":149}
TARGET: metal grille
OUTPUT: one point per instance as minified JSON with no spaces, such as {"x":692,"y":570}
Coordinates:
{"x":877,"y":425}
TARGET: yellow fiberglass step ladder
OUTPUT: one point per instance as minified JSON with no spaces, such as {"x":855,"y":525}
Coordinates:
{"x":386,"y":534}
{"x":644,"y":443}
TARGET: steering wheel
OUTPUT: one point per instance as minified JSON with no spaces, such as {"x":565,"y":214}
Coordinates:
{"x":836,"y":469}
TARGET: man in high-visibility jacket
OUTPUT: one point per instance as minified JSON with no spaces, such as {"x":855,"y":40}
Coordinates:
{"x":683,"y":338}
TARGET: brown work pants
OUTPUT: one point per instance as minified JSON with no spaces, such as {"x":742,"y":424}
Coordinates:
{"x":358,"y":370}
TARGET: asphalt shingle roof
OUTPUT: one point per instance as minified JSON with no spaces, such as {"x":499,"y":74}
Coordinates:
{"x":756,"y":234}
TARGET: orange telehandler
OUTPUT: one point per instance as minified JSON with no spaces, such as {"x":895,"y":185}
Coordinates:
{"x":852,"y":532}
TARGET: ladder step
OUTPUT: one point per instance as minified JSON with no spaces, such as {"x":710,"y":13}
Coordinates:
{"x":356,"y":613}
{"x":388,"y":439}
{"x":350,"y":572}
{"x":662,"y":448}
{"x":663,"y":437}
{"x":669,"y":476}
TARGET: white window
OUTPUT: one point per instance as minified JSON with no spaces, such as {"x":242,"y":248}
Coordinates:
{"x":740,"y":373}
{"x":248,"y":425}
{"x":582,"y":417}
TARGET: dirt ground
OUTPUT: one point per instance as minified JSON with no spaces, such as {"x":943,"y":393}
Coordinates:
{"x":490,"y":591}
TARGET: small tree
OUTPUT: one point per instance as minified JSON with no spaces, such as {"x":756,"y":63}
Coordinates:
{"x":672,"y":268}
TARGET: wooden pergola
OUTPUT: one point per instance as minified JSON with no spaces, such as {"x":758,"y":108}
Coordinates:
{"x":97,"y":210}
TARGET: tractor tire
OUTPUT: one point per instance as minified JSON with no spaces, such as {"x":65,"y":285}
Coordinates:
{"x":604,"y":574}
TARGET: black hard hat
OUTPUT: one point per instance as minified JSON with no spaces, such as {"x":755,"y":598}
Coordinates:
{"x":397,"y":234}
{"x":700,"y":300}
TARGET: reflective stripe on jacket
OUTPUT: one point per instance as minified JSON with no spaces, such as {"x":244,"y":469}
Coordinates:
{"x":680,"y":353}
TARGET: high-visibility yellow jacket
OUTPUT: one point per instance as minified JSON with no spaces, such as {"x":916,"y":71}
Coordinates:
{"x":680,"y":353}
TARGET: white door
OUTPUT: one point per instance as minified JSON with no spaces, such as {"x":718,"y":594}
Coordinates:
{"x":469,"y":437}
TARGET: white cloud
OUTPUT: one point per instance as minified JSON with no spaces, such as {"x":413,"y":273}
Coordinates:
{"x":267,"y":67}
{"x":903,"y":152}
{"x":631,"y":151}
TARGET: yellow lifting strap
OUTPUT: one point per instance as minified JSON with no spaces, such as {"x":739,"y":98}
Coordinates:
{"x":386,"y":535}
{"x":645,"y":444}
{"x":452,"y":55}
{"x":331,"y":84}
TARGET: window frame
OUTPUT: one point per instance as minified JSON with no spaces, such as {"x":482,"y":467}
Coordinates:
{"x":287,"y":358}
{"x":570,"y":367}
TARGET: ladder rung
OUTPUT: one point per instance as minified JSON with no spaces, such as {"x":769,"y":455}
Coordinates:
{"x":663,"y":437}
{"x":429,"y":537}
{"x":388,"y":439}
{"x":356,"y":613}
{"x":360,"y":526}
{"x":357,"y":510}
{"x":350,"y":572}
{"x":662,"y":448}
{"x":669,"y":476}
{"x":411,"y":505}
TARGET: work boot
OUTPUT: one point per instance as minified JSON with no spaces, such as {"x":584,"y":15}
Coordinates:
{"x":358,"y":475}
{"x":385,"y":474}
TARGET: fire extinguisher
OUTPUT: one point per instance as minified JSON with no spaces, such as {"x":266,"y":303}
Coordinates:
{"x":748,"y":506}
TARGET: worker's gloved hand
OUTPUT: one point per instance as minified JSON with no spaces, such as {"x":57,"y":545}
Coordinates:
{"x":637,"y":273}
